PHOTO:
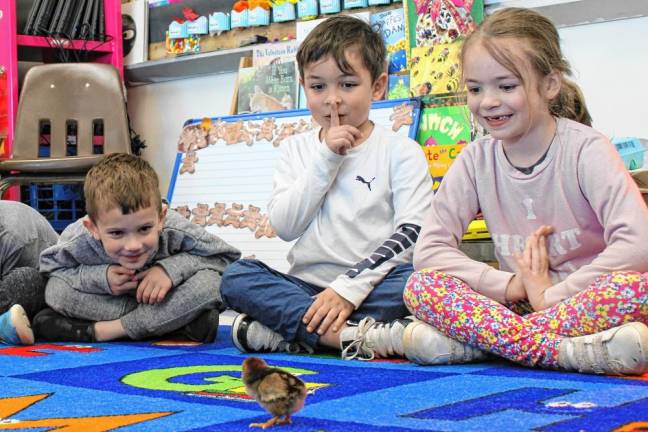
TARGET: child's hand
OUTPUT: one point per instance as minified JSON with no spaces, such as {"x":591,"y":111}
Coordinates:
{"x":340,"y":138}
{"x":121,"y":280}
{"x":154,"y":285}
{"x":328,"y":308}
{"x":533,"y":267}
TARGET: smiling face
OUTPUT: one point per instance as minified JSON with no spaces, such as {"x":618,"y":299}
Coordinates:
{"x":508,"y":108}
{"x":325,"y":85}
{"x":128,"y":239}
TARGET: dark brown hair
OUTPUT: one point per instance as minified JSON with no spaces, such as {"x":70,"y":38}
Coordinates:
{"x":121,"y":181}
{"x":338,"y":34}
{"x":541,"y":51}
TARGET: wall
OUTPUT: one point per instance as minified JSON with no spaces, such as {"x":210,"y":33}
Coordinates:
{"x":610,"y":62}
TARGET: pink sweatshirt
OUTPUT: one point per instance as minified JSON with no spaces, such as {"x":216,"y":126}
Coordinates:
{"x":581,"y":188}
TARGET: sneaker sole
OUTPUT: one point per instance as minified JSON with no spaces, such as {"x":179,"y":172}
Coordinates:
{"x":21,"y":324}
{"x":642,"y":363}
{"x":239,"y":324}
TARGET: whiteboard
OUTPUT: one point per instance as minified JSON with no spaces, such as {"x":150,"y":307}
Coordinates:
{"x":222,"y":176}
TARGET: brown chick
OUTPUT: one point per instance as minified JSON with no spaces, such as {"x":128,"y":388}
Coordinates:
{"x":278,"y":392}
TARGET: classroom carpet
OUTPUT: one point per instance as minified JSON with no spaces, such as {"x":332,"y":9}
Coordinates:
{"x":175,"y":386}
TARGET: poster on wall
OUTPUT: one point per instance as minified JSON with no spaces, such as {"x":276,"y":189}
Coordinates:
{"x":222,"y":177}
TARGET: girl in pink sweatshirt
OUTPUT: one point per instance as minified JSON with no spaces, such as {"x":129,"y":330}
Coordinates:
{"x":569,"y":225}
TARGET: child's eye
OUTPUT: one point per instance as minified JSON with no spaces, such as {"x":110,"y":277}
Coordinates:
{"x":115,"y":234}
{"x":317,"y":87}
{"x":474,"y":90}
{"x":348,"y":85}
{"x":508,"y":87}
{"x":145,"y":229}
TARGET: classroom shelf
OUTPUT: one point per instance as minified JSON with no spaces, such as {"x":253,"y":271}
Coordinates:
{"x":188,"y":66}
{"x":43,"y":42}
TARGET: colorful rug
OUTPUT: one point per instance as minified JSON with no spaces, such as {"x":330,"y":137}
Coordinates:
{"x":162,"y":387}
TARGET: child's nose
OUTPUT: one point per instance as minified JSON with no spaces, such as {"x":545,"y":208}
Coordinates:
{"x":333,"y":99}
{"x":133,"y":243}
{"x":490,"y":100}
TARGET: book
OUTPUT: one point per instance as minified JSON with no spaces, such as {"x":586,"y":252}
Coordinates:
{"x":43,"y":17}
{"x":274,"y":52}
{"x":75,"y":23}
{"x":63,"y":24}
{"x":271,"y":87}
{"x":443,"y":132}
{"x":84,"y":29}
{"x":435,"y":69}
{"x":135,"y":31}
{"x":398,"y":86}
{"x":431,"y":22}
{"x":31,"y":17}
{"x":391,"y":26}
{"x":56,"y":16}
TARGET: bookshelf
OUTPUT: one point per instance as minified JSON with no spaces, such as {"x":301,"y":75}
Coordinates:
{"x":12,"y":44}
{"x":564,"y":13}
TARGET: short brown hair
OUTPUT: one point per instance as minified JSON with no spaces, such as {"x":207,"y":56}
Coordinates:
{"x":541,"y":50}
{"x":338,"y":34}
{"x":121,"y":181}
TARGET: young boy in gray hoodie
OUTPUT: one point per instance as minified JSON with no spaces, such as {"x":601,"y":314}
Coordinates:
{"x":131,"y":268}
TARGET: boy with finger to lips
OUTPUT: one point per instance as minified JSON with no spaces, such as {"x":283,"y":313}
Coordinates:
{"x":352,"y":195}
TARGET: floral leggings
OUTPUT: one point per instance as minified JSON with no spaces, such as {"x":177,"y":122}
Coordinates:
{"x":455,"y":309}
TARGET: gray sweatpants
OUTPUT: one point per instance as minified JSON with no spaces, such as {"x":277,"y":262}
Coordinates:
{"x":24,"y":286}
{"x":181,"y":305}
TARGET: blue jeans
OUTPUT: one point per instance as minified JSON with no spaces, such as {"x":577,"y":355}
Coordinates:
{"x":279,"y":301}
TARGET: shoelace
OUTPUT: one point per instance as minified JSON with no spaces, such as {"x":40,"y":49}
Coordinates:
{"x":359,"y":348}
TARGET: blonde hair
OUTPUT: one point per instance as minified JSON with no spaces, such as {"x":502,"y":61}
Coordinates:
{"x":541,"y":51}
{"x":121,"y":181}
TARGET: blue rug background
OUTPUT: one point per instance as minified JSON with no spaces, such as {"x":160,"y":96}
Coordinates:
{"x":197,"y":388}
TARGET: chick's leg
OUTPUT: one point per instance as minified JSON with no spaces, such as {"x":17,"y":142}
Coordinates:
{"x":273,"y":421}
{"x":286,"y":420}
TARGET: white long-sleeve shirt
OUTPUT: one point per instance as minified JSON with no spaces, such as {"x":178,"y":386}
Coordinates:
{"x":355,"y":216}
{"x":581,"y":188}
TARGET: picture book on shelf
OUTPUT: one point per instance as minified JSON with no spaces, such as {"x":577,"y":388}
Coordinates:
{"x":398,"y":86}
{"x":272,"y":87}
{"x":391,"y":25}
{"x":435,"y":69}
{"x":431,"y":22}
{"x":274,"y":52}
{"x":443,"y":132}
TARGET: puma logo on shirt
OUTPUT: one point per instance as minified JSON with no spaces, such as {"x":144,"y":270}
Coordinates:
{"x":362,"y":180}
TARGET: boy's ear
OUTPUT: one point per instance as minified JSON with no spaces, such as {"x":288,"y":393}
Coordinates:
{"x":379,"y":86}
{"x":552,"y":84}
{"x":163,"y":214}
{"x":90,"y":226}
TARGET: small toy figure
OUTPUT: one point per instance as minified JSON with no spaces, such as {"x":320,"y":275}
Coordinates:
{"x":278,"y":392}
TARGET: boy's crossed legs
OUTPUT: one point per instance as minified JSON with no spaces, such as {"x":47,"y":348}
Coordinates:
{"x":279,"y":302}
{"x":188,"y":311}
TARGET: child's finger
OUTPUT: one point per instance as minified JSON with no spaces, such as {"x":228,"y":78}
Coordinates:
{"x":544,"y":256}
{"x":335,"y":119}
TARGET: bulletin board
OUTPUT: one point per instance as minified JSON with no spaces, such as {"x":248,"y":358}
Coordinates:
{"x":222,"y":176}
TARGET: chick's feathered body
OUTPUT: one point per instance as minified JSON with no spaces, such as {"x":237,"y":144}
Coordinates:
{"x":278,"y":392}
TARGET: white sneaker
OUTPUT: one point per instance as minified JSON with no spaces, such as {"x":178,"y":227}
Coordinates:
{"x":249,"y":335}
{"x":370,"y":339}
{"x":620,"y":350}
{"x":425,"y":345}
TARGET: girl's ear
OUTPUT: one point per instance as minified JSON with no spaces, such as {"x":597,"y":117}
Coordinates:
{"x":552,"y":85}
{"x":379,"y":86}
